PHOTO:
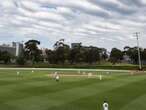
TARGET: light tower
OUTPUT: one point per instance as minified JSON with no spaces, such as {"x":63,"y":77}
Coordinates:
{"x":138,"y":49}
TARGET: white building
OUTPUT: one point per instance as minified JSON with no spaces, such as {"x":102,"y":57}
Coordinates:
{"x":15,"y":49}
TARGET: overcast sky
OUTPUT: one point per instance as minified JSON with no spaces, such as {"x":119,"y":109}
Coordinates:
{"x":102,"y":23}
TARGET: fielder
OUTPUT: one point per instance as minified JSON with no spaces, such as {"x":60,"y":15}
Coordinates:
{"x":55,"y":74}
{"x":57,"y":78}
{"x":105,"y":106}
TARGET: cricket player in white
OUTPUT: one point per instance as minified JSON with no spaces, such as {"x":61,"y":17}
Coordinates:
{"x":55,"y":74}
{"x":105,"y":105}
{"x":57,"y":78}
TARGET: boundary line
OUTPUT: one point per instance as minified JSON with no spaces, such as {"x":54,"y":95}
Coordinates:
{"x":67,"y":69}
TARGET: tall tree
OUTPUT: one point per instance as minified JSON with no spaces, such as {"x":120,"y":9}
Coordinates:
{"x":132,"y":53}
{"x":77,"y":54}
{"x":103,"y":54}
{"x":92,"y":54}
{"x":116,"y":55}
{"x":6,"y":57}
{"x":20,"y":60}
{"x":143,"y":56}
{"x":62,"y":51}
{"x":50,"y":56}
{"x":32,"y":52}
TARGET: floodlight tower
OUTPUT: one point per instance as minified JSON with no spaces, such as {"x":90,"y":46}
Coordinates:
{"x":138,"y":49}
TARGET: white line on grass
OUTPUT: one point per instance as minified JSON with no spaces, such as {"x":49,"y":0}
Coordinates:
{"x":67,"y":69}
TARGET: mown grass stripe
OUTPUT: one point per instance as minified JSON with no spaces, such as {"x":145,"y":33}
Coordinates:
{"x":118,"y":97}
{"x":67,"y":96}
{"x":27,"y":90}
{"x":137,"y":104}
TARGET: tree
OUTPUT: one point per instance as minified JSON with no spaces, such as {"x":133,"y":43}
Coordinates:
{"x":84,"y":54}
{"x":103,"y":53}
{"x":50,"y":56}
{"x":20,"y":60}
{"x":59,"y":43}
{"x":61,"y":52}
{"x":116,"y":55}
{"x":0,"y":55}
{"x":132,"y":53}
{"x":77,"y":54}
{"x":92,"y":54}
{"x":72,"y":55}
{"x":6,"y":57}
{"x":32,"y":52}
{"x":144,"y":56}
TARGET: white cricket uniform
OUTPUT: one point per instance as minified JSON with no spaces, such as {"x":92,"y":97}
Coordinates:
{"x":57,"y":77}
{"x":55,"y":74}
{"x":105,"y":106}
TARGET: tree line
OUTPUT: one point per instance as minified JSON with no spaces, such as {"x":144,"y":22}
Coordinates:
{"x":78,"y":54}
{"x":117,"y":55}
{"x":5,"y":57}
{"x":63,"y":53}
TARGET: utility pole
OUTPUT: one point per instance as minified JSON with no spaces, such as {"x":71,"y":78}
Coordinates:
{"x":138,"y":49}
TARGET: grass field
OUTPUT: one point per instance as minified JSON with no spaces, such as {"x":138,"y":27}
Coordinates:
{"x":39,"y":91}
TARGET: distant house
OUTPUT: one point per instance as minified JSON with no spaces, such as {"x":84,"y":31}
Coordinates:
{"x":15,"y":49}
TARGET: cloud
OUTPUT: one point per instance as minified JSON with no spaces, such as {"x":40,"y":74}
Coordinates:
{"x":103,"y":23}
{"x":115,"y":6}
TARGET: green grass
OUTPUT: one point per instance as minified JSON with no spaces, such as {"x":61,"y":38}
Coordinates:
{"x":107,"y":65}
{"x":37,"y":91}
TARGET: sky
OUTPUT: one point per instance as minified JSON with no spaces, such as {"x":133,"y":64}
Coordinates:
{"x":101,"y":23}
